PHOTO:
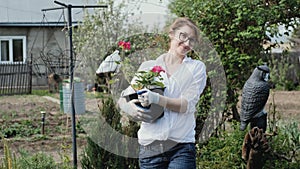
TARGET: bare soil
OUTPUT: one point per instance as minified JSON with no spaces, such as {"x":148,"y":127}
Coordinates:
{"x":287,"y":104}
{"x":57,"y":140}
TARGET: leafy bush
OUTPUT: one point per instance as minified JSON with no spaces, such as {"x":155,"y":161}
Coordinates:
{"x":285,"y":146}
{"x":94,"y":156}
{"x":224,"y":151}
{"x":237,"y":30}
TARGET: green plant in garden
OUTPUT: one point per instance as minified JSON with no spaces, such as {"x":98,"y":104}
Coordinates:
{"x":237,"y":29}
{"x":9,"y":160}
{"x":42,"y":92}
{"x":285,"y":150}
{"x":223,"y":151}
{"x":36,"y":161}
{"x":66,"y":160}
{"x":19,"y":129}
{"x":148,"y":79}
{"x":26,"y":160}
{"x":94,"y":156}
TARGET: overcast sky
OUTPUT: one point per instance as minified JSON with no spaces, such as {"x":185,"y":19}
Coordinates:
{"x":30,"y":10}
{"x":151,"y":12}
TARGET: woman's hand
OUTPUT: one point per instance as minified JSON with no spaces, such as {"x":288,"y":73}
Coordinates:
{"x":135,"y":112}
{"x":147,"y":97}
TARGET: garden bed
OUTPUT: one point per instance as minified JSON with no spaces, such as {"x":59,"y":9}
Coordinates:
{"x":21,"y":122}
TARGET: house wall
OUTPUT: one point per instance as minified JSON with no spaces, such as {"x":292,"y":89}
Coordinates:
{"x":47,"y":48}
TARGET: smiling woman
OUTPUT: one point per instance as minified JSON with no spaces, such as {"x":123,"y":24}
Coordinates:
{"x":172,"y":135}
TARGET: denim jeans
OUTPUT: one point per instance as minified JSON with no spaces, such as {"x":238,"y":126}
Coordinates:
{"x":181,"y":156}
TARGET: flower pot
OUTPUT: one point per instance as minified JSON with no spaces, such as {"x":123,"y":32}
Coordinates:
{"x":156,"y":110}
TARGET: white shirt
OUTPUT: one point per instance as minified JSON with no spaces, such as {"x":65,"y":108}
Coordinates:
{"x":187,"y":83}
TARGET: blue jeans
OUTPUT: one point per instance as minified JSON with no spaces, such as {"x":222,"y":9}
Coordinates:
{"x":180,"y":156}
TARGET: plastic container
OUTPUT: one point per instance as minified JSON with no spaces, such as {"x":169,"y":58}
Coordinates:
{"x":79,"y":98}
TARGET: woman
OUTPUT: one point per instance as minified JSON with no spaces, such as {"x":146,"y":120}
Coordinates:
{"x":169,"y":142}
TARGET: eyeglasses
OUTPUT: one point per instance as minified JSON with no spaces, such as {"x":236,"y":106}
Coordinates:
{"x":183,"y":37}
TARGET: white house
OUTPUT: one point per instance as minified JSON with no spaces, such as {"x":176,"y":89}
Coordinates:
{"x":29,"y":34}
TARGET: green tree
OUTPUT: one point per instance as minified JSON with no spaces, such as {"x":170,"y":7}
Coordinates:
{"x":237,"y":29}
{"x":94,"y":155}
{"x":99,"y":32}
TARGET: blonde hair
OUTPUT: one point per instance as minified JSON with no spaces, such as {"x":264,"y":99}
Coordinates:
{"x":184,"y":21}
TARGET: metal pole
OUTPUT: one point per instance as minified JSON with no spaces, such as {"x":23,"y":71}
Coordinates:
{"x":74,"y":145}
{"x":71,"y":69}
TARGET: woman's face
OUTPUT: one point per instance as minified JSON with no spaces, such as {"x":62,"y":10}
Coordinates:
{"x":182,"y":40}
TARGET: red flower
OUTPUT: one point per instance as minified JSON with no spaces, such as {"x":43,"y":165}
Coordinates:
{"x":121,"y":44}
{"x":127,"y":45}
{"x":124,"y":45}
{"x":157,"y":69}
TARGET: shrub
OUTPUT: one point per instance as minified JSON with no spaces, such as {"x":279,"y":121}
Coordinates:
{"x":224,"y":151}
{"x":94,"y":156}
{"x":285,"y":146}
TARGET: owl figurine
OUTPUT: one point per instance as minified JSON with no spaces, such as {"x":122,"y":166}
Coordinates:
{"x":255,"y":94}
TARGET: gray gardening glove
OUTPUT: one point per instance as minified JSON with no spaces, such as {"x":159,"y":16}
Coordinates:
{"x":137,"y":113}
{"x":147,"y":97}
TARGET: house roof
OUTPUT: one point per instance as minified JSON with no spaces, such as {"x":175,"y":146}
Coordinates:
{"x":14,"y":13}
{"x":30,"y":11}
{"x":35,"y":24}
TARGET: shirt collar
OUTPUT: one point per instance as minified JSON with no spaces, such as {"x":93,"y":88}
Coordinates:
{"x":186,"y":59}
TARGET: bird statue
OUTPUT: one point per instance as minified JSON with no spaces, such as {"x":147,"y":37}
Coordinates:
{"x":255,"y":94}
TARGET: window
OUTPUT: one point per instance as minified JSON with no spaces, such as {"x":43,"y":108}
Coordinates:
{"x":12,"y":49}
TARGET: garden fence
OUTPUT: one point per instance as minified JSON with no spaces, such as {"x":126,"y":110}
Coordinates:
{"x":15,"y":78}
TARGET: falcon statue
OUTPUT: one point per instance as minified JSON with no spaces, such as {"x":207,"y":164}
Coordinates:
{"x":254,"y":97}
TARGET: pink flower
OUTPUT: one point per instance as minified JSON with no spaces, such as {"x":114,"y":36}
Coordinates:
{"x":124,"y":45}
{"x":121,"y":44}
{"x":157,"y":69}
{"x":127,"y":45}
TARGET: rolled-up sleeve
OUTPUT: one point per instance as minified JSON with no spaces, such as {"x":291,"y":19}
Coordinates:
{"x":193,"y":91}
